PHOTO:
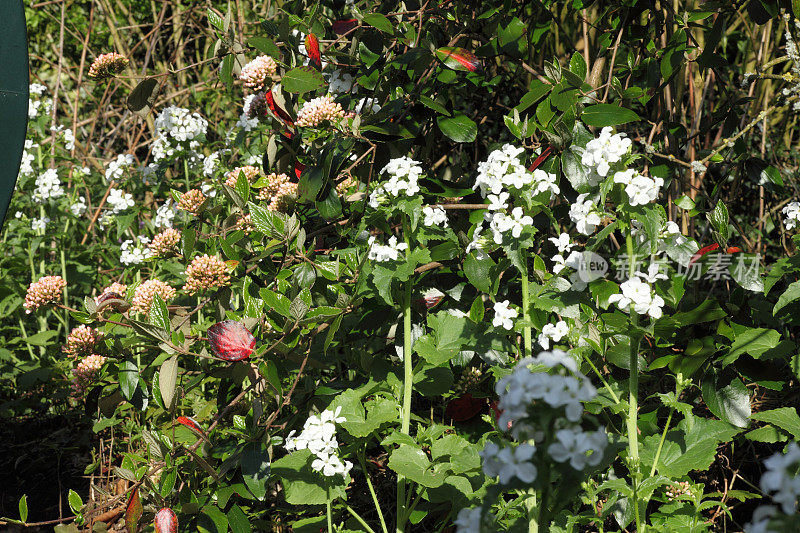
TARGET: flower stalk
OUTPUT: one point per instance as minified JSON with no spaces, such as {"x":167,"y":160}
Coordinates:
{"x":633,"y":393}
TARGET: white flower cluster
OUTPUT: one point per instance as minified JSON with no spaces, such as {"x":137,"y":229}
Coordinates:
{"x":340,"y":82}
{"x":248,"y":121}
{"x":119,"y":200}
{"x":178,"y":130}
{"x":135,"y":253}
{"x":563,"y":244}
{"x":670,"y":234}
{"x":36,"y":104}
{"x":579,"y":448}
{"x":509,"y":462}
{"x":367,"y":104}
{"x":69,"y":137}
{"x":504,"y":315}
{"x":403,"y":173}
{"x":552,"y":332}
{"x":26,"y":165}
{"x":116,"y":169}
{"x":585,"y":214}
{"x":502,"y":170}
{"x":640,"y":189}
{"x":386,"y":252}
{"x":79,"y":206}
{"x":792,"y":212}
{"x":469,"y":520}
{"x":502,"y":226}
{"x":48,"y":186}
{"x":600,"y":153}
{"x":793,"y":88}
{"x":782,"y":481}
{"x":165,"y":214}
{"x":319,"y":437}
{"x":639,"y":295}
{"x":39,"y":224}
{"x":434,"y":216}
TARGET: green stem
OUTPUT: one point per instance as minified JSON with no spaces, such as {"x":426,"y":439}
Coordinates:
{"x":633,"y":394}
{"x":661,"y":443}
{"x":602,"y":379}
{"x":363,"y":463}
{"x":25,"y":336}
{"x":186,"y":172}
{"x":526,"y":332}
{"x":408,"y":381}
{"x":360,"y":520}
{"x":66,"y":287}
{"x":328,"y":513}
{"x":533,"y":518}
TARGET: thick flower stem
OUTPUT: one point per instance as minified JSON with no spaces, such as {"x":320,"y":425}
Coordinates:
{"x":633,"y":395}
{"x":526,"y":304}
{"x":408,"y":383}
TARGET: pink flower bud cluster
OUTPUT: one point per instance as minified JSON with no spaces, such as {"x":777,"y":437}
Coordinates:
{"x":257,"y":73}
{"x":116,"y":288}
{"x":316,"y":111}
{"x":107,"y":66}
{"x":258,"y":107}
{"x":192,"y":201}
{"x":250,"y":172}
{"x":86,"y":373}
{"x":47,"y":290}
{"x":82,"y":340}
{"x":165,"y":242}
{"x":470,"y":379}
{"x":206,"y":272}
{"x":245,"y":224}
{"x":144,"y":294}
{"x":280,"y":192}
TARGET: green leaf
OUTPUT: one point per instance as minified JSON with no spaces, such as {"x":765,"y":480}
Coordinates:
{"x":301,"y":485}
{"x":75,"y":502}
{"x":159,"y":316}
{"x":212,"y":520}
{"x":301,"y":80}
{"x":479,"y":271}
{"x":730,"y":402}
{"x":214,"y":19}
{"x":128,"y":378}
{"x":577,"y":64}
{"x":509,"y":34}
{"x":361,"y":422}
{"x":23,"y":508}
{"x":376,"y":20}
{"x":785,"y":418}
{"x":255,"y":468}
{"x":791,"y":294}
{"x":601,"y":115}
{"x":412,"y":463}
{"x":265,"y":45}
{"x":719,"y":220}
{"x":238,"y":521}
{"x":142,"y":96}
{"x":433,"y":104}
{"x":167,"y":377}
{"x":459,"y":128}
{"x":752,"y":341}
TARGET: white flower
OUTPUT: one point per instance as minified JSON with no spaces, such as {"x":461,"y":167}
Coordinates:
{"x":78,"y":207}
{"x":330,"y":465}
{"x":554,"y":332}
{"x":48,"y":186}
{"x":504,"y":315}
{"x":403,"y":173}
{"x":498,"y":202}
{"x":792,"y":212}
{"x":577,"y":447}
{"x":165,"y":214}
{"x":760,"y":520}
{"x":116,"y":169}
{"x":544,"y":181}
{"x":698,"y":167}
{"x":119,"y":200}
{"x":653,"y":273}
{"x":640,"y":189}
{"x":501,"y":224}
{"x":434,"y":216}
{"x":607,"y":149}
{"x":388,"y":252}
{"x":584,"y":214}
{"x":180,"y":124}
{"x":319,"y":437}
{"x":340,"y":82}
{"x":468,"y":520}
{"x":131,"y":254}
{"x":211,"y":164}
{"x":367,"y":104}
{"x":247,"y":122}
{"x":502,"y":170}
{"x":562,"y":243}
{"x":508,"y":463}
{"x":38,"y":224}
{"x":37,"y":89}
{"x":781,"y":480}
{"x":639,"y":295}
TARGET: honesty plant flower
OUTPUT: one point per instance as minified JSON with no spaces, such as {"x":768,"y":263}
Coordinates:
{"x":544,"y":181}
{"x":116,"y":169}
{"x":340,"y":82}
{"x":583,"y":212}
{"x":607,"y":149}
{"x":434,"y":216}
{"x":504,"y":315}
{"x":502,"y":170}
{"x":469,"y":520}
{"x":781,"y":478}
{"x":792,"y":212}
{"x":579,"y":448}
{"x":119,"y":200}
{"x":640,"y":189}
{"x":388,"y":252}
{"x":319,"y":437}
{"x":653,"y":273}
{"x":403,"y":173}
{"x":48,"y":186}
{"x":135,"y":253}
{"x":639,"y":295}
{"x":508,"y":463}
{"x":554,"y":332}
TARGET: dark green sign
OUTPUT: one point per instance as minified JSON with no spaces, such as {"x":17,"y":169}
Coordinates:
{"x":13,"y":96}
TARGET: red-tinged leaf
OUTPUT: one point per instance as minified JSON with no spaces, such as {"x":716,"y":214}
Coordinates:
{"x":298,"y":169}
{"x":733,"y":249}
{"x":458,"y":59}
{"x":497,"y":412}
{"x":312,"y":47}
{"x":133,"y":511}
{"x":343,"y":26}
{"x":166,"y":521}
{"x":703,"y":251}
{"x":190,"y":423}
{"x":277,"y":111}
{"x":465,"y":407}
{"x":541,"y":159}
{"x":231,"y":341}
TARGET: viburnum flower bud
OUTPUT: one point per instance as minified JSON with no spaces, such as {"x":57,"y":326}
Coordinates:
{"x":144,"y":294}
{"x":47,"y":290}
{"x":316,"y":111}
{"x":257,"y":106}
{"x":116,"y":288}
{"x":245,"y":224}
{"x":86,"y":372}
{"x":107,"y":66}
{"x":82,"y":340}
{"x":206,"y":272}
{"x":165,"y":242}
{"x":192,"y":201}
{"x":250,"y":172}
{"x":257,"y":73}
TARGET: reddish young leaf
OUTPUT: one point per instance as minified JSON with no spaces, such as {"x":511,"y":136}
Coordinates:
{"x":464,"y":407}
{"x":190,"y":423}
{"x":231,"y":341}
{"x":133,"y":511}
{"x":541,"y":159}
{"x":277,"y":111}
{"x":733,"y":249}
{"x":166,"y":521}
{"x":298,"y":169}
{"x":312,"y":47}
{"x":343,"y":26}
{"x":458,"y":59}
{"x":703,"y":251}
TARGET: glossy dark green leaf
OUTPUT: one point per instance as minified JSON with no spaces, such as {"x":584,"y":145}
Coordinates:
{"x":601,"y":115}
{"x":301,"y":80}
{"x":459,"y":128}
